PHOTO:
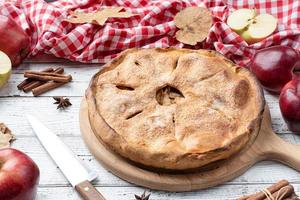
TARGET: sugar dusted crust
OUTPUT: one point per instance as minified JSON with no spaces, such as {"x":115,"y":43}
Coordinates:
{"x":175,"y":109}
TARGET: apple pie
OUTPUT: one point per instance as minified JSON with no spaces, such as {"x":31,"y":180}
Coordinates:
{"x":174,"y":109}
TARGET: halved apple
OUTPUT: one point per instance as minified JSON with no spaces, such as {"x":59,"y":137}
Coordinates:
{"x":250,"y":27}
{"x":262,"y":26}
{"x":5,"y":68}
{"x":240,"y":19}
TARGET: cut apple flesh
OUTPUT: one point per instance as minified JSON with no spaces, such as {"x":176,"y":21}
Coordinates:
{"x":240,"y":19}
{"x":250,"y":27}
{"x":263,"y":26}
{"x":5,"y":68}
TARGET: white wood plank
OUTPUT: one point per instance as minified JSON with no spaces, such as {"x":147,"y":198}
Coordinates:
{"x":225,"y":192}
{"x":278,"y":123}
{"x":12,"y":110}
{"x":263,"y":172}
{"x":62,"y":122}
{"x":14,"y":104}
{"x":47,"y":58}
{"x":81,"y":73}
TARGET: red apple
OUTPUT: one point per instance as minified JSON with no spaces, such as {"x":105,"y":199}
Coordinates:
{"x":13,"y":40}
{"x":274,"y":66}
{"x":19,"y":175}
{"x":289,"y":102}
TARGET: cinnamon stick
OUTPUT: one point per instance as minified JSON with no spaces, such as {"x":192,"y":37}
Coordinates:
{"x":32,"y":85}
{"x":35,"y":84}
{"x":28,"y":80}
{"x":48,"y":76}
{"x":293,"y":197}
{"x":283,"y":193}
{"x":272,"y":189}
{"x":46,"y":87}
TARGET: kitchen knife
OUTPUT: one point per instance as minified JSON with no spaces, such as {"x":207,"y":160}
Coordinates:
{"x":72,"y":167}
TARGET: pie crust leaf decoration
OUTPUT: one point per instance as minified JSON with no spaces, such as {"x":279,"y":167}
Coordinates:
{"x":5,"y":136}
{"x":194,"y":24}
{"x":98,"y":17}
{"x":174,"y":109}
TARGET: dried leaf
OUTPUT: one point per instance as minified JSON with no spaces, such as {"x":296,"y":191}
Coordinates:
{"x":5,"y":136}
{"x":194,"y":24}
{"x":98,"y":17}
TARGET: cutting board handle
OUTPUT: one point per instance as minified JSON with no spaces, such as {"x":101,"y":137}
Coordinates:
{"x":269,"y":146}
{"x":282,"y":151}
{"x":275,"y":148}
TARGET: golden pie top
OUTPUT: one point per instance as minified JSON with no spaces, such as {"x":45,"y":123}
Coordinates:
{"x":174,"y":108}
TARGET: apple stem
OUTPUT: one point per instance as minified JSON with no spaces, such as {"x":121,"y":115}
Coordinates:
{"x":296,"y":74}
{"x":297,"y":70}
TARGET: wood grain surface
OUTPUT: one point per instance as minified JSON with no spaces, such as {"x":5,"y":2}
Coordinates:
{"x":267,"y":146}
{"x":53,"y":185}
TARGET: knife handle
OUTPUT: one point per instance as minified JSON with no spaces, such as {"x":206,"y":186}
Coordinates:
{"x":88,"y":192}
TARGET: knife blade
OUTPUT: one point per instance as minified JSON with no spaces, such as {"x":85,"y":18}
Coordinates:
{"x":72,"y":167}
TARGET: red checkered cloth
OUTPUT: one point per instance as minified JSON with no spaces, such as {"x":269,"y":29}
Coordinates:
{"x":152,"y":27}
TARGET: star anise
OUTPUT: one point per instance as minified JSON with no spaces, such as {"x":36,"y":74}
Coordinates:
{"x":62,"y":102}
{"x":143,"y":196}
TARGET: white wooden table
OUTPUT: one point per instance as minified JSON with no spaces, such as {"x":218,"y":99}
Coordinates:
{"x":53,"y":185}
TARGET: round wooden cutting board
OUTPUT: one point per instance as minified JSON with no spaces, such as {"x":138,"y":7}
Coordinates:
{"x":267,"y":146}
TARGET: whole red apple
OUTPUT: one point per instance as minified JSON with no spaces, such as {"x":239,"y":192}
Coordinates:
{"x":19,"y":175}
{"x":289,"y":102}
{"x":13,"y":40}
{"x":274,"y":66}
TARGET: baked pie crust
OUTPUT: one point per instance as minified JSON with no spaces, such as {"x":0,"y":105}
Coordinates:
{"x":174,"y":109}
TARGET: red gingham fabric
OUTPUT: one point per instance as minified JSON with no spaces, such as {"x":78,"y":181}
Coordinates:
{"x":152,"y":27}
